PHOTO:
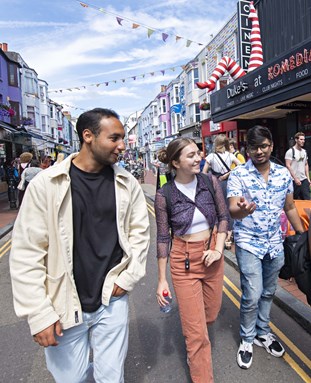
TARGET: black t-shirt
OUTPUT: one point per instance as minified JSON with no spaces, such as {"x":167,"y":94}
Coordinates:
{"x":96,"y":248}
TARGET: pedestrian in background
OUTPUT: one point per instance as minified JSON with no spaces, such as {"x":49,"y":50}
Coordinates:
{"x":296,"y":160}
{"x":28,"y":174}
{"x":197,"y":269}
{"x":25,"y":161}
{"x":233,"y":148}
{"x":202,"y":162}
{"x":46,"y":162}
{"x":11,"y":175}
{"x":257,"y":194}
{"x":79,"y":245}
{"x":220,"y":163}
{"x":60,"y":157}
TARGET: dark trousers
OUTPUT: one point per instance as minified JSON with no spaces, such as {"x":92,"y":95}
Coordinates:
{"x":302,"y":191}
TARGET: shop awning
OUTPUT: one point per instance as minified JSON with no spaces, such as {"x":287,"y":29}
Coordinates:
{"x":277,"y":81}
{"x":35,"y":135}
{"x":7,"y":127}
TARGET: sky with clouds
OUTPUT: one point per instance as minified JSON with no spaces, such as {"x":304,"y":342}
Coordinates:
{"x":71,"y":46}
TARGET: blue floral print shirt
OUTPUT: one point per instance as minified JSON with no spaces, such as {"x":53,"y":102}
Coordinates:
{"x":260,"y":233}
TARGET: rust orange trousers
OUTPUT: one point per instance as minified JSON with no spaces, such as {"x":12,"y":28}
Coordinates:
{"x":199,"y":295}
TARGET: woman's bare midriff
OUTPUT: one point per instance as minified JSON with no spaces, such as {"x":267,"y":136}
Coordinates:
{"x":200,"y":236}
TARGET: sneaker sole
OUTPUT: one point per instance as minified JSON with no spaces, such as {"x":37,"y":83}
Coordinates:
{"x":260,"y":344}
{"x":244,"y":366}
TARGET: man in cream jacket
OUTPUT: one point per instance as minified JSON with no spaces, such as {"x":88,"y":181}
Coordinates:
{"x":79,"y":245}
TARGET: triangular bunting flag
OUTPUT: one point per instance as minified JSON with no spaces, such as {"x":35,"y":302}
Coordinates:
{"x":134,"y":26}
{"x":106,"y":83}
{"x":123,"y":80}
{"x":97,"y":85}
{"x":178,"y":38}
{"x":119,"y":20}
{"x":150,"y":32}
{"x":163,"y":72}
{"x":188,"y":43}
{"x":152,"y":73}
{"x":134,"y":78}
{"x":164,"y":36}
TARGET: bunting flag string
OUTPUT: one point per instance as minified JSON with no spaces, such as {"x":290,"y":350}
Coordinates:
{"x":72,"y":107}
{"x":135,"y":25}
{"x":106,"y":83}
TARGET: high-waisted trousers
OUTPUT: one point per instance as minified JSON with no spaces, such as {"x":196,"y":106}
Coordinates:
{"x":199,"y":295}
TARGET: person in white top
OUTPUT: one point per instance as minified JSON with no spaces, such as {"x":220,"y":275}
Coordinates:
{"x":220,"y":163}
{"x":296,"y":160}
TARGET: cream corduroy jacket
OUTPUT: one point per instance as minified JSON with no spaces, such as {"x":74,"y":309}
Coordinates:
{"x":41,"y":260}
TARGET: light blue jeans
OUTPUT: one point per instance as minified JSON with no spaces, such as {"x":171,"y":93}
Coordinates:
{"x":105,"y":331}
{"x":259,"y":279}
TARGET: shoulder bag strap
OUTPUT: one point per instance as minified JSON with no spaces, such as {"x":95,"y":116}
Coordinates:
{"x":209,"y":184}
{"x":167,"y":190}
{"x":223,"y":162}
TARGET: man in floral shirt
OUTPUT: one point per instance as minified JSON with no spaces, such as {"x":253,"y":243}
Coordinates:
{"x":257,"y":192}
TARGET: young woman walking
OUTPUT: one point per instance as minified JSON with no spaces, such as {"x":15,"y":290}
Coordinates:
{"x":196,"y":206}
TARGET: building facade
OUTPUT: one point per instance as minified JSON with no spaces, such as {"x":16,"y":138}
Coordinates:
{"x":278,"y":93}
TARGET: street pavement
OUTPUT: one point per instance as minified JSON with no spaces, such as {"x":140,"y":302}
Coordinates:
{"x":287,"y":298}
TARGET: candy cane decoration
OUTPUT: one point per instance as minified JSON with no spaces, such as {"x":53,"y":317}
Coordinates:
{"x":256,"y":57}
{"x":225,"y":64}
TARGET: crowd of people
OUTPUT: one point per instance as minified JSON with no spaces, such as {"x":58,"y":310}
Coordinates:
{"x":76,"y":256}
{"x":20,"y":171}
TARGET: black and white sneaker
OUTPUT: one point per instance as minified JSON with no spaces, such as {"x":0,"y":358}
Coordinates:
{"x":245,"y":355}
{"x":271,"y":345}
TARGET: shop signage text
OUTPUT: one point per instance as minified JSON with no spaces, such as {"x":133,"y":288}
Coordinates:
{"x":244,"y":33}
{"x":289,"y":64}
{"x":287,"y":70}
{"x":296,"y":105}
{"x":237,"y":89}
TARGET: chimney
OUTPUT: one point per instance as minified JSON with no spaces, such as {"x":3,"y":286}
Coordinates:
{"x":4,"y":47}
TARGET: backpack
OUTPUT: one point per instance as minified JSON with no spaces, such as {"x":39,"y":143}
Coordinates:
{"x":298,"y":262}
{"x":237,"y":152}
{"x":16,"y":175}
{"x":167,"y":191}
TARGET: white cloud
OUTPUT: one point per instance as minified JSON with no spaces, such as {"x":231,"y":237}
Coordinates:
{"x":70,"y":46}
